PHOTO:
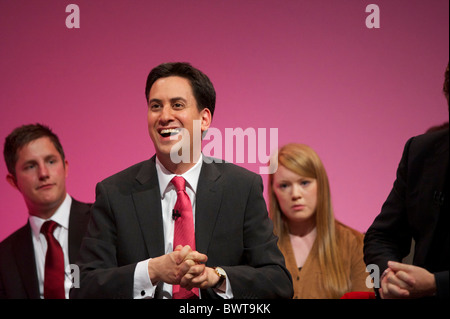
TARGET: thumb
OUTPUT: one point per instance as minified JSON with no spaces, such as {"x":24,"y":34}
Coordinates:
{"x":396,"y":266}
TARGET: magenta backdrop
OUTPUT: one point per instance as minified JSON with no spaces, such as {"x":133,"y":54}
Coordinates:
{"x":312,"y":69}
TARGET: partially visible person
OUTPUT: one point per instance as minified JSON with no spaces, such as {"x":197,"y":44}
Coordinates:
{"x":324,"y":256}
{"x":416,"y":209}
{"x":38,"y":169}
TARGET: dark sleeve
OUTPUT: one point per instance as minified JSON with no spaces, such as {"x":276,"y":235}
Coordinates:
{"x":2,"y":258}
{"x":442,"y":285}
{"x":101,"y":276}
{"x":389,"y":236}
{"x":263,"y":274}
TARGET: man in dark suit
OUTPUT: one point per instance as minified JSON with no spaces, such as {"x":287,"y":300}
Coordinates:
{"x":38,"y":169}
{"x":417,"y":208}
{"x":129,"y":249}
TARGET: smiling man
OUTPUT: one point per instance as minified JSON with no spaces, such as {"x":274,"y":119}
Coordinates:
{"x":193,"y":229}
{"x":38,"y":170}
{"x":166,"y":125}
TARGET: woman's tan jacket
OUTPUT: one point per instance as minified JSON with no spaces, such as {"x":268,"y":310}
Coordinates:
{"x":308,"y":281}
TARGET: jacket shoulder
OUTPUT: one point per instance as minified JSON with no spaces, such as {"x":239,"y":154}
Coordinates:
{"x":15,"y":236}
{"x":128,"y":174}
{"x":426,"y":141}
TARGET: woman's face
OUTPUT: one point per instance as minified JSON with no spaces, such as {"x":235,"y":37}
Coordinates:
{"x":296,"y":195}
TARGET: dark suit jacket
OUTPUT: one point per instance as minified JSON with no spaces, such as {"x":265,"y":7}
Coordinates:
{"x":231,"y":227}
{"x":417,"y":207}
{"x":18,"y":276}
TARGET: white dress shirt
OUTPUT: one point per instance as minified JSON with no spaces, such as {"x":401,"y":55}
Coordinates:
{"x":143,"y":287}
{"x":61,"y":233}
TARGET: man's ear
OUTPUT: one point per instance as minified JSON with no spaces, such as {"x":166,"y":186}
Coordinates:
{"x":206,"y":119}
{"x":66,"y":167}
{"x":12,"y":181}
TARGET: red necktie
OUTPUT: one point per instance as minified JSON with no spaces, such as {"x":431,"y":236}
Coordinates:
{"x":54,"y":264}
{"x":184,"y":231}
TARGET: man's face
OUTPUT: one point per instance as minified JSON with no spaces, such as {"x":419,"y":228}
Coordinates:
{"x":172,"y":107}
{"x":40,"y":176}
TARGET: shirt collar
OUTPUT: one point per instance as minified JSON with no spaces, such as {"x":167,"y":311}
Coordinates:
{"x":191,"y":176}
{"x":61,"y":216}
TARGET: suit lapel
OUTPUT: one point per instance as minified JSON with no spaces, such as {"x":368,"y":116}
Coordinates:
{"x":78,"y":220}
{"x":26,"y":264}
{"x":208,"y":201}
{"x":147,"y":201}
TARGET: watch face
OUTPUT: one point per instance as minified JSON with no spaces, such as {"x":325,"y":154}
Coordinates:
{"x":220,"y":271}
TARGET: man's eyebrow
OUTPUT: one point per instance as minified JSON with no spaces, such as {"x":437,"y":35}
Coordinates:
{"x":154,"y":100}
{"x":46,"y":158}
{"x":178,"y":99}
{"x":51,"y":156}
{"x":31,"y":161}
{"x":172,"y":100}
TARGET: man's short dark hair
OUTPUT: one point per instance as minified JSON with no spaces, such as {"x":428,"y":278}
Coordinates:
{"x":202,"y":88}
{"x":23,"y":135}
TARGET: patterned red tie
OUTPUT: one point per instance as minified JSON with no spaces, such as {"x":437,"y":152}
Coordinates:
{"x":54,"y":264}
{"x":184,"y":231}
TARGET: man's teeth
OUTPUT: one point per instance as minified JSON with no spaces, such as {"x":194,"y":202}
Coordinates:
{"x":170,"y":131}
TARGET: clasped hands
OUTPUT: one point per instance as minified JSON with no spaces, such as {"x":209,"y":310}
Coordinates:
{"x":406,"y":281}
{"x":184,"y":267}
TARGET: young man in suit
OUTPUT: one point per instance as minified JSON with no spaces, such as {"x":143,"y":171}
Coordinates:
{"x":38,"y":169}
{"x":130,"y":249}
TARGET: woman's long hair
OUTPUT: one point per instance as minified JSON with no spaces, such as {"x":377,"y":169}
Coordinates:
{"x":304,"y":161}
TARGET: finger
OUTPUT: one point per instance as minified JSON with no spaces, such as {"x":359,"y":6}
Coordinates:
{"x":397,"y":292}
{"x":197,"y":257}
{"x":196,"y":270}
{"x":200,"y":281}
{"x":188,"y":280}
{"x":182,"y":253}
{"x":384,"y":286}
{"x":395,"y":280}
{"x":197,"y":278}
{"x":396,"y":266}
{"x":185,"y":281}
{"x":184,"y":268}
{"x":186,"y":265}
{"x":385,"y":291}
{"x":406,"y":278}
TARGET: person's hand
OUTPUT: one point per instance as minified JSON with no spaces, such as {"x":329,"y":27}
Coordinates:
{"x":172,"y":267}
{"x":407,"y":281}
{"x":195,"y":256}
{"x":199,"y":276}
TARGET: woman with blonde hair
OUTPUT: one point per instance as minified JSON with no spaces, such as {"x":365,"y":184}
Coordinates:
{"x":324,"y":257}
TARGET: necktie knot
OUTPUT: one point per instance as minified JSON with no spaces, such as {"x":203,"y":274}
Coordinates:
{"x":179,"y":183}
{"x":48,"y":227}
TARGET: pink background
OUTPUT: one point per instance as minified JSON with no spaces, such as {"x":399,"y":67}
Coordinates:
{"x":309,"y":68}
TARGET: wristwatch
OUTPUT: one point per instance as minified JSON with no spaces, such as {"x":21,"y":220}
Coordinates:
{"x":222,"y":276}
